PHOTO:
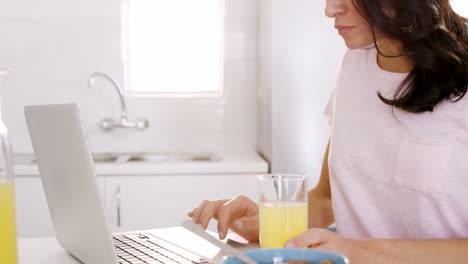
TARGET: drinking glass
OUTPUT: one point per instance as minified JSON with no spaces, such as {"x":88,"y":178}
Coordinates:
{"x":283,"y":208}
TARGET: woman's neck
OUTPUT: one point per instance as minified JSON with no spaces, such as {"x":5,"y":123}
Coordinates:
{"x":400,"y":64}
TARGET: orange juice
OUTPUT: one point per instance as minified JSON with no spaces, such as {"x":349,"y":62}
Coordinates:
{"x":281,"y":221}
{"x":7,"y":225}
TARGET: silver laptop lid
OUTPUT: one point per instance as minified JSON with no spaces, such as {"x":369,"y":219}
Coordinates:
{"x":69,"y":180}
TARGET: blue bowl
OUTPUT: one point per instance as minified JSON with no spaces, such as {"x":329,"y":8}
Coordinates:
{"x":272,"y":255}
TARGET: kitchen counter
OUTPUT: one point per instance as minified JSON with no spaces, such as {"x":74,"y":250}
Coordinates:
{"x":240,"y":163}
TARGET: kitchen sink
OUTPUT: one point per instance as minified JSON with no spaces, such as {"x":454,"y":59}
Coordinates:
{"x":134,"y":157}
{"x":153,"y":157}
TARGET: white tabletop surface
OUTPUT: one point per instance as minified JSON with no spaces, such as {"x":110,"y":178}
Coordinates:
{"x":41,"y":251}
{"x":48,"y":251}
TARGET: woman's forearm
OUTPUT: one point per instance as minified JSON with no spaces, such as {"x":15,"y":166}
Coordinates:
{"x":388,"y":251}
{"x":320,"y":204}
{"x":320,"y":210}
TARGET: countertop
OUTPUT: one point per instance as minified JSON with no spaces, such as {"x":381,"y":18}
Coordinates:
{"x":234,"y":163}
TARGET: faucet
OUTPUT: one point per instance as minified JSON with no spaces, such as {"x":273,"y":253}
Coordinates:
{"x":109,"y":124}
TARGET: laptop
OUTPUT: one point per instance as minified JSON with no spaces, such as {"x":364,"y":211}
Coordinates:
{"x":69,"y":180}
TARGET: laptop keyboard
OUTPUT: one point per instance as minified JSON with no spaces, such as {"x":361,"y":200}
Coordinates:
{"x":140,"y":249}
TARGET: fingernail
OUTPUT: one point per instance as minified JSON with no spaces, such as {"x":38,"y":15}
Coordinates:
{"x":221,"y":235}
{"x":239,"y":225}
{"x":289,"y":245}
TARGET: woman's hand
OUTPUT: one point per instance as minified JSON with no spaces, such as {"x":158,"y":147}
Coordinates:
{"x":324,"y":239}
{"x":371,"y":251}
{"x":240,"y":214}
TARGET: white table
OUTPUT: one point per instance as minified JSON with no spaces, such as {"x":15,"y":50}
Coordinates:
{"x":42,"y":251}
{"x":48,"y":251}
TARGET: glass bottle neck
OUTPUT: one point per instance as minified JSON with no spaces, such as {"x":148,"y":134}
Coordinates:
{"x":6,"y":156}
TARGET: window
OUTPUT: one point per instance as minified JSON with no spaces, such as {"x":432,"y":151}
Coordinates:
{"x":173,"y":46}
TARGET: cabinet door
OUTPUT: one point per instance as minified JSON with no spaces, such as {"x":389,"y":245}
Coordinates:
{"x":32,"y":213}
{"x":147,"y":202}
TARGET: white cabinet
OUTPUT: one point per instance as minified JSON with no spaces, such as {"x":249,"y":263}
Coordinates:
{"x":32,"y":213}
{"x":145,"y":202}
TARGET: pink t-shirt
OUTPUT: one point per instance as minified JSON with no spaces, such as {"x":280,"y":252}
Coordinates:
{"x":395,"y":174}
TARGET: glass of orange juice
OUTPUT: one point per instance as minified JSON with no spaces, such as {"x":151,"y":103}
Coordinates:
{"x":283,"y":208}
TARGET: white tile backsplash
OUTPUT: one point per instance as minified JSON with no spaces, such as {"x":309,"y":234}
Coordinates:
{"x":52,"y":50}
{"x":46,"y":9}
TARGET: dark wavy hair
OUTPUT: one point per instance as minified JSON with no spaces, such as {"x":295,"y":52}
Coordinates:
{"x":434,"y":38}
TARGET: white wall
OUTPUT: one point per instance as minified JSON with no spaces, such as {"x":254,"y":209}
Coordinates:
{"x":265,"y":77}
{"x":52,"y":46}
{"x":300,"y":72}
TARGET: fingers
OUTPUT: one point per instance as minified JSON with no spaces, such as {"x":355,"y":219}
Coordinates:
{"x":246,"y":223}
{"x":311,"y":238}
{"x":247,"y":227}
{"x":206,"y":211}
{"x":197,"y":211}
{"x":229,"y":212}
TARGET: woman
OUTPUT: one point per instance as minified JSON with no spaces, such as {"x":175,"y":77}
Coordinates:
{"x":396,"y":167}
